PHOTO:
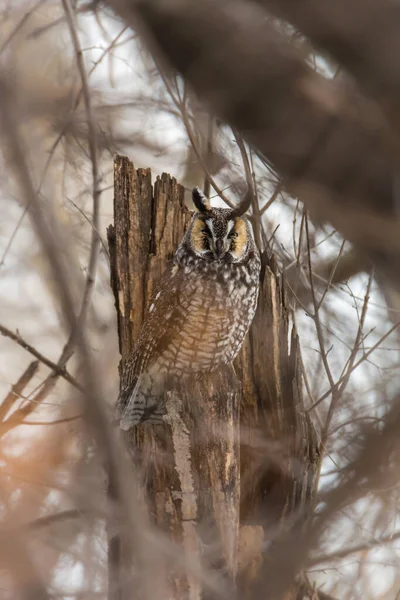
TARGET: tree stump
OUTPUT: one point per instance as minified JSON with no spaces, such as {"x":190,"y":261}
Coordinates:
{"x":236,"y":453}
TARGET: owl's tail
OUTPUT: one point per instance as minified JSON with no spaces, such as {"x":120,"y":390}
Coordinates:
{"x":140,"y":403}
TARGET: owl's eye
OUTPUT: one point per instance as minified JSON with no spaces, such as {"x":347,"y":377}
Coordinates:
{"x":233,"y":234}
{"x":206,"y":237}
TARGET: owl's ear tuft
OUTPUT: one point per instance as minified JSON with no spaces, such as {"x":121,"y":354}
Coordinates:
{"x":200,"y":201}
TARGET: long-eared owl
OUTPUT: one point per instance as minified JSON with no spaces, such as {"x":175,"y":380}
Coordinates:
{"x":201,"y":312}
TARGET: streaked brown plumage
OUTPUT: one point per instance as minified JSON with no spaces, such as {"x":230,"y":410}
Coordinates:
{"x":201,"y":312}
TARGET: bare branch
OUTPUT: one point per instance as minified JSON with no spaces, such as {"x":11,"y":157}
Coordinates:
{"x":363,"y":547}
{"x":250,"y":198}
{"x":17,"y":389}
{"x":355,"y":365}
{"x":43,"y":359}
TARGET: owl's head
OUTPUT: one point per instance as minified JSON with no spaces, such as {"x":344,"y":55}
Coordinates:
{"x":218,"y":234}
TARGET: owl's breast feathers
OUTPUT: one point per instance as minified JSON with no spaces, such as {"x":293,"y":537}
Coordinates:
{"x":197,"y":320}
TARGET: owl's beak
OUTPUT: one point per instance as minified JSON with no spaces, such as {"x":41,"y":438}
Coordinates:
{"x":220,"y":250}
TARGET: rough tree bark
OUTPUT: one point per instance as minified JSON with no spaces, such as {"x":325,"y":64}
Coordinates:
{"x":237,"y":452}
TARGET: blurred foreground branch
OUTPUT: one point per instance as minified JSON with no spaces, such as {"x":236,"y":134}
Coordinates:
{"x":332,"y":145}
{"x":43,"y":359}
{"x":17,"y":389}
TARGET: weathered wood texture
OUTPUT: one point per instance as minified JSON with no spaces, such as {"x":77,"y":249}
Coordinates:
{"x":278,"y":445}
{"x":191,"y":466}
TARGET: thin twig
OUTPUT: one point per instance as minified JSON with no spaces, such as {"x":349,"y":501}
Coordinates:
{"x":318,"y":326}
{"x":328,"y":285}
{"x":315,"y":316}
{"x":84,"y":215}
{"x":43,"y":359}
{"x":18,"y":388}
{"x":12,"y":237}
{"x":66,"y":515}
{"x":299,"y":274}
{"x":345,"y":377}
{"x":338,"y":393}
{"x":181,"y":106}
{"x":96,"y":191}
{"x":44,"y":28}
{"x":251,"y":196}
{"x":55,"y":422}
{"x":210,"y":144}
{"x":354,"y":367}
{"x":359,"y":338}
{"x":274,"y":195}
{"x":364,"y":547}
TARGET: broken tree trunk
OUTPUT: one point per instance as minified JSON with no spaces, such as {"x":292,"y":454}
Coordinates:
{"x":216,"y":502}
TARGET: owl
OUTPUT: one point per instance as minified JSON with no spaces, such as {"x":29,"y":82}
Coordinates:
{"x":198,"y":319}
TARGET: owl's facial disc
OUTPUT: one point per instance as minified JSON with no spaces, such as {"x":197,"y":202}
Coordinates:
{"x":219,"y":236}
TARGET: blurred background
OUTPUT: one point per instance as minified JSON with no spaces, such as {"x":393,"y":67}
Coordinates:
{"x":81,"y":81}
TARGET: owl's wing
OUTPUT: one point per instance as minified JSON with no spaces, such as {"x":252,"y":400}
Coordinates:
{"x":142,"y":391}
{"x":162,"y":314}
